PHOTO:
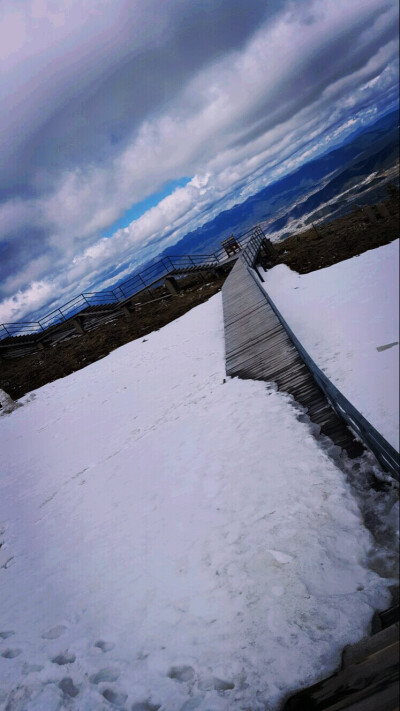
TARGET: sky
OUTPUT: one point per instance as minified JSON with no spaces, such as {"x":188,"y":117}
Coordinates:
{"x":124,"y":124}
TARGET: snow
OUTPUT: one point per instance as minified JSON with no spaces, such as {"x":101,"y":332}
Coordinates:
{"x":173,"y":539}
{"x":7,"y":404}
{"x":347,"y":318}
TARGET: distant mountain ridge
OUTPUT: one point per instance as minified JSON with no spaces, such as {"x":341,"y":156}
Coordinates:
{"x":297,"y":194}
{"x":291,"y":203}
{"x":372,"y":149}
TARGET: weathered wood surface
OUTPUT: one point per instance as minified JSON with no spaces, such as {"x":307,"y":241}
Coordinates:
{"x":257,"y":347}
{"x":367,"y":681}
{"x":190,"y":268}
{"x":356,"y":653}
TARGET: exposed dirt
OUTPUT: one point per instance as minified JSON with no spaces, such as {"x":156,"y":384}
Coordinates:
{"x":341,"y":239}
{"x":305,"y":252}
{"x":20,"y":375}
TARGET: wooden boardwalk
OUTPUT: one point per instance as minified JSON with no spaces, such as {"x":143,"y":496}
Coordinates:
{"x":367,"y":680}
{"x":257,"y":347}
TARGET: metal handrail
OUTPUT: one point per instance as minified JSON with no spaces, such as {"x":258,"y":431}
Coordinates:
{"x":133,"y":284}
{"x":385,"y":453}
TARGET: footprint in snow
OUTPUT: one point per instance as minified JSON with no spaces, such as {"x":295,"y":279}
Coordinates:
{"x":181,"y":673}
{"x":222,"y":685}
{"x":54,"y":633}
{"x":107,"y":674}
{"x":6,"y":634}
{"x":213,"y":682}
{"x":6,"y":560}
{"x":104,"y":646}
{"x":64,"y":658}
{"x":29,"y":668}
{"x":68,"y":687}
{"x":115,"y":698}
{"x":11,"y":653}
{"x":145,"y":706}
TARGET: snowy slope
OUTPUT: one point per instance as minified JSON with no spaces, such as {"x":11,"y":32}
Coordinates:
{"x":170,"y":540}
{"x":347,"y":317}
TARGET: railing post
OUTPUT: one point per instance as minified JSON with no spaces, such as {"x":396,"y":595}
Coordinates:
{"x":78,"y":326}
{"x":172,"y":285}
{"x":167,"y":263}
{"x":144,"y":284}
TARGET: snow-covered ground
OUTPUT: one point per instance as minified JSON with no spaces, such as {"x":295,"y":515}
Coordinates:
{"x":347,"y":317}
{"x":170,"y":540}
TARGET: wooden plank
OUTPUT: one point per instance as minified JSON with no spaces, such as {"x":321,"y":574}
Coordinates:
{"x":355,"y":653}
{"x":257,"y":347}
{"x":386,"y":699}
{"x":389,"y":617}
{"x":350,"y":688}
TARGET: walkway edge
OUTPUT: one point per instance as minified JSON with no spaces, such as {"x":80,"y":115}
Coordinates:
{"x":373,"y":440}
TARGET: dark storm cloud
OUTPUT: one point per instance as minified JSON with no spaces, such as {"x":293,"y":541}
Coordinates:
{"x":337,"y":58}
{"x":89,"y":106}
{"x":34,"y":246}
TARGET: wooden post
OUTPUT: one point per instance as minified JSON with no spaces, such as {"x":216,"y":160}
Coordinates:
{"x":78,"y":326}
{"x":172,"y":285}
{"x":315,"y":230}
{"x":125,"y":310}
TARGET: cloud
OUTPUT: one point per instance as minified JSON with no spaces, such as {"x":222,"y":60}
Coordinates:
{"x":109,"y":101}
{"x":15,"y":307}
{"x":83,"y":76}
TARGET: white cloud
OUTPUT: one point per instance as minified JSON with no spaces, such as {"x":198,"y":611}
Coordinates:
{"x":245,"y":119}
{"x":24,"y":301}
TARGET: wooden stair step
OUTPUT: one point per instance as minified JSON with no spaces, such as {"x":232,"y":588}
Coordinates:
{"x":371,"y":699}
{"x":356,"y":653}
{"x":258,"y":347}
{"x":351,"y":688}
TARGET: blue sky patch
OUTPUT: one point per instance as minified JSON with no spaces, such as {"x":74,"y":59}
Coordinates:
{"x":139,"y":208}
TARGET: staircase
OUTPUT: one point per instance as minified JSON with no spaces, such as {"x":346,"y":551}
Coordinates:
{"x":192,"y":268}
